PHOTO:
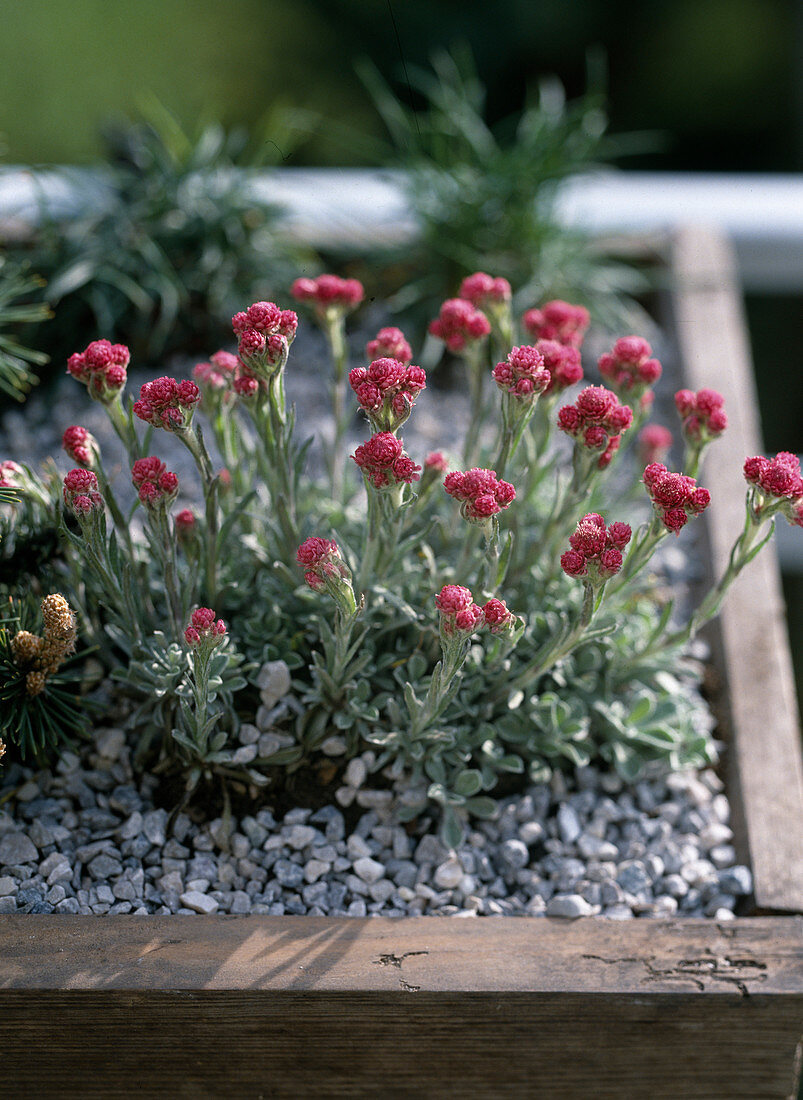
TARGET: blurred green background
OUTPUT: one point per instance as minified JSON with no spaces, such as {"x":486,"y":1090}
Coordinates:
{"x":720,"y":80}
{"x":718,"y":85}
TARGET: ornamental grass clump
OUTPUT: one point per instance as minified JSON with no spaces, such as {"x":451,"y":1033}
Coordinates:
{"x":465,"y":626}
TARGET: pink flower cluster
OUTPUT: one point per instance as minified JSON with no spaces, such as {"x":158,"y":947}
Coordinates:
{"x":81,"y":493}
{"x":780,"y":479}
{"x":480,"y":492}
{"x":563,"y":363}
{"x":523,"y":375}
{"x":654,"y":443}
{"x":629,"y":368}
{"x":484,"y":290}
{"x":264,"y":335}
{"x":204,"y":628}
{"x":329,"y":292}
{"x":167,"y":403}
{"x":157,"y":486}
{"x":702,"y":413}
{"x":384,"y":463}
{"x":596,"y":550}
{"x":80,"y":446}
{"x":217,"y":376}
{"x":460,"y":615}
{"x":184,"y":521}
{"x":386,"y":391}
{"x":675,"y":497}
{"x":437,"y":462}
{"x":596,"y":420}
{"x":459,"y":324}
{"x":559,"y":321}
{"x":102,"y":368}
{"x":320,"y":559}
{"x":390,"y":343}
{"x":11,"y":474}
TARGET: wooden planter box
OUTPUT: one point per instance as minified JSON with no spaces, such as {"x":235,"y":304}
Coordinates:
{"x":302,"y":1006}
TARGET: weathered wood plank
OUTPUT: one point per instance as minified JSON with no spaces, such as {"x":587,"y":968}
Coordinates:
{"x":296,"y":1006}
{"x":251,"y":1044}
{"x":313,"y":954}
{"x":767,"y":769}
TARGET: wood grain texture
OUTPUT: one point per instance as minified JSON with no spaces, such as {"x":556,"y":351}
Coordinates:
{"x":299,"y":1006}
{"x":765,"y":752}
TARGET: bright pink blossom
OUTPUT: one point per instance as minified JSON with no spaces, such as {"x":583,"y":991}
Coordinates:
{"x":184,"y":521}
{"x":168,"y":403}
{"x":384,"y":463}
{"x":559,"y":321}
{"x":629,"y":368}
{"x":522,"y":375}
{"x":596,"y":421}
{"x":654,"y":443}
{"x":329,"y":292}
{"x":460,"y":325}
{"x":702,"y":414}
{"x":321,"y":561}
{"x":777,"y":485}
{"x":563,"y":363}
{"x":204,"y":629}
{"x":157,"y":486}
{"x":386,"y":391}
{"x":497,"y":618}
{"x":80,"y":446}
{"x":481,"y":494}
{"x":437,"y":462}
{"x":102,"y":368}
{"x":675,"y":497}
{"x":458,"y":612}
{"x":596,"y":550}
{"x":390,"y":343}
{"x":81,"y":493}
{"x":11,"y":474}
{"x":484,"y":290}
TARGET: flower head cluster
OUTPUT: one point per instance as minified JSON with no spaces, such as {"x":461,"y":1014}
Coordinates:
{"x":559,"y":321}
{"x":702,"y":413}
{"x":596,"y":550}
{"x":437,"y":462}
{"x":264,"y":334}
{"x":167,"y":403}
{"x":157,"y":486}
{"x":329,"y":294}
{"x":185,"y":522}
{"x":81,"y":494}
{"x":497,"y":618}
{"x":460,"y":325}
{"x":523,"y":374}
{"x":386,"y":391}
{"x":675,"y":497}
{"x":80,"y":446}
{"x":458,"y":612}
{"x":629,"y":369}
{"x":325,"y":571}
{"x":384,"y":462}
{"x":596,"y":421}
{"x":390,"y":343}
{"x":480,"y":493}
{"x":563,"y":363}
{"x":484,"y":290}
{"x":41,"y":656}
{"x":12,"y":475}
{"x":654,"y":443}
{"x":216,"y":377}
{"x":102,"y":369}
{"x":778,"y":485}
{"x":205,"y":631}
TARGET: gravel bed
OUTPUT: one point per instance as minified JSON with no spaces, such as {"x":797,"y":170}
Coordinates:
{"x":87,"y":838}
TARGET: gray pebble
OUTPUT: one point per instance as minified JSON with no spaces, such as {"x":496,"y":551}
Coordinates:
{"x":568,"y":906}
{"x":16,"y":848}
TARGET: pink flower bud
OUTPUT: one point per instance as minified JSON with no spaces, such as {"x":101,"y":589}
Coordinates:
{"x":379,"y":459}
{"x":204,"y":629}
{"x":81,"y":493}
{"x":481,"y":493}
{"x":459,"y":324}
{"x":80,"y":445}
{"x":436,"y":461}
{"x":481,"y":289}
{"x":654,"y":443}
{"x":184,"y":521}
{"x":573,"y":563}
{"x":558,"y":321}
{"x":329,"y":291}
{"x":497,"y":618}
{"x":389,"y":343}
{"x":102,"y":368}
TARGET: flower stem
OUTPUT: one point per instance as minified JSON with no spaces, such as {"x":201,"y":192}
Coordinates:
{"x":194,"y":442}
